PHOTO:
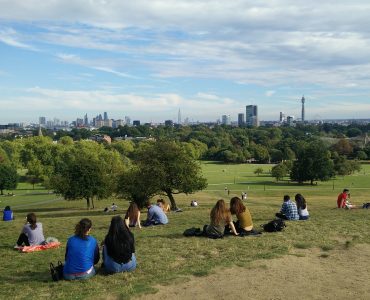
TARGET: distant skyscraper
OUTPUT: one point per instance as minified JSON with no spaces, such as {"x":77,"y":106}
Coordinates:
{"x":86,"y":120}
{"x":251,"y":115}
{"x":241,"y":121}
{"x":179,"y":121}
{"x":42,"y":121}
{"x":136,"y":122}
{"x":226,"y":120}
{"x":127,"y":120}
{"x":105,"y":116}
{"x":290,"y":120}
{"x":303,"y":101}
{"x":282,"y":117}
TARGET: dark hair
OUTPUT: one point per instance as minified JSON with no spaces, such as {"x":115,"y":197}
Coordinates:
{"x":132,"y":212}
{"x":31,"y":218}
{"x":220,"y":212}
{"x":236,"y":206}
{"x":286,"y":198}
{"x":119,"y":241}
{"x":83,"y":227}
{"x":345,"y":190}
{"x":301,"y":201}
{"x":7,"y":207}
{"x":148,"y":203}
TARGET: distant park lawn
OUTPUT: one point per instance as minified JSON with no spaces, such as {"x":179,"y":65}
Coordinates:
{"x":164,"y":255}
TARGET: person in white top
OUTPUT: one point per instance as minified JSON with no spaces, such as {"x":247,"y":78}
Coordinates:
{"x":302,"y":207}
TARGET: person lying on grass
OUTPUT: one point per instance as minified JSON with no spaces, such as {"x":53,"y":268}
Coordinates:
{"x":244,"y":225}
{"x":119,"y":248}
{"x":220,"y":217}
{"x":82,"y":253}
{"x":32,"y":233}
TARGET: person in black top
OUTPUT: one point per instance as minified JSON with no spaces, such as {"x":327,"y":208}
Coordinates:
{"x":119,"y":248}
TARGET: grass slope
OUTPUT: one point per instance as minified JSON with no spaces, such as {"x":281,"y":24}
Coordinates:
{"x":164,"y":255}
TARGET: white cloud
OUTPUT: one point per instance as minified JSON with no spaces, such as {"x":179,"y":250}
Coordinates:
{"x":10,"y":37}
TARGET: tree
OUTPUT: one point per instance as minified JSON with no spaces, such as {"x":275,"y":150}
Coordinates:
{"x":8,"y":177}
{"x":87,"y":171}
{"x":313,"y":163}
{"x":279,"y":171}
{"x":166,"y":166}
{"x":258,"y":171}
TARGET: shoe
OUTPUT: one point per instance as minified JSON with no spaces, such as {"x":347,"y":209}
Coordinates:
{"x":17,"y":247}
{"x":253,"y":232}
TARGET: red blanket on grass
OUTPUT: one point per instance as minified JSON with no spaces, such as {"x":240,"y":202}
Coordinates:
{"x":50,"y":245}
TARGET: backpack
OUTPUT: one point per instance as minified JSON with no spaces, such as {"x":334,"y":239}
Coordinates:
{"x":193,"y":232}
{"x":274,"y":225}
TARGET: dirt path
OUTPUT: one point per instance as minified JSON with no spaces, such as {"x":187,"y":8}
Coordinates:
{"x":305,"y":274}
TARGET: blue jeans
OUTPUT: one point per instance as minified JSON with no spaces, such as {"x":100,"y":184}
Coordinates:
{"x":85,"y":275}
{"x":112,"y":267}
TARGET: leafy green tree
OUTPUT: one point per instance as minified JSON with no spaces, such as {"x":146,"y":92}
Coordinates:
{"x":343,"y":147}
{"x":169,"y":169}
{"x":258,"y":171}
{"x":87,"y":171}
{"x":279,"y":171}
{"x":343,"y":166}
{"x":361,"y":155}
{"x":8,"y":177}
{"x":313,"y":163}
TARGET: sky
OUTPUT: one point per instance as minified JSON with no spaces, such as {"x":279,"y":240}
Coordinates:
{"x":148,"y":59}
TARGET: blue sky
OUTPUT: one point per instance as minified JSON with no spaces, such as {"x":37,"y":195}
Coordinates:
{"x":148,"y":59}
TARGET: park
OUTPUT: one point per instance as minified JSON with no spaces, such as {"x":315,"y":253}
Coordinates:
{"x":167,"y":260}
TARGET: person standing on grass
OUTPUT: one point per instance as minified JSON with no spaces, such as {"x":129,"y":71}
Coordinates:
{"x":302,"y":207}
{"x":220,"y":217}
{"x":288,"y":210}
{"x":132,"y":217}
{"x":32,"y":233}
{"x":343,"y":198}
{"x":119,"y":248}
{"x":244,"y":225}
{"x":156,"y":215}
{"x":82,"y":253}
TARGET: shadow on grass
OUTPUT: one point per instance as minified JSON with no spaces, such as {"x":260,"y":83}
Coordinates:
{"x":280,"y":183}
{"x":27,"y":277}
{"x":51,"y":209}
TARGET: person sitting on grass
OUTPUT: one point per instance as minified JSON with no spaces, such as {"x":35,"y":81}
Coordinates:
{"x":244,"y":225}
{"x":32,"y":233}
{"x":132,"y":217}
{"x":302,"y":207}
{"x":82,"y":253}
{"x":165,"y":206}
{"x":220,"y":217}
{"x":156,"y":215}
{"x":7,"y":214}
{"x":288,"y":210}
{"x":119,"y":248}
{"x":342,"y":198}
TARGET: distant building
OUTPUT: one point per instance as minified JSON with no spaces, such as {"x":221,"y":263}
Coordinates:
{"x":101,"y":138}
{"x":136,"y":123}
{"x":127,"y":120}
{"x":105,"y":116}
{"x":290,"y":120}
{"x":86,"y":120}
{"x":120,"y":123}
{"x":108,"y":123}
{"x":226,"y":120}
{"x":42,"y":121}
{"x":302,"y":114}
{"x":282,"y":117}
{"x":241,"y":121}
{"x":251,"y":115}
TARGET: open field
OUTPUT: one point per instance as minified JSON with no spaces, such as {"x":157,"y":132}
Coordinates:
{"x":164,"y":255}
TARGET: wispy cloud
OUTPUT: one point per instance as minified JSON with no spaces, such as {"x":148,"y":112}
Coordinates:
{"x":10,"y":37}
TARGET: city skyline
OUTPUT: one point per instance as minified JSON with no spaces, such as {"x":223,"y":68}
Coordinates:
{"x":148,"y":59}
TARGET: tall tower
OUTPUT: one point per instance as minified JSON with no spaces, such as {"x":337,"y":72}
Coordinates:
{"x":303,"y":100}
{"x":179,"y":121}
{"x":251,"y":115}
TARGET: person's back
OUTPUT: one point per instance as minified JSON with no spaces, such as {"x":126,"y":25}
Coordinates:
{"x":156,"y":214}
{"x":80,"y":254}
{"x":35,"y":236}
{"x":289,"y":209}
{"x":7,"y":214}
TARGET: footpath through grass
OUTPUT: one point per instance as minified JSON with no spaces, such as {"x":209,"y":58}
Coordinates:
{"x":164,"y":255}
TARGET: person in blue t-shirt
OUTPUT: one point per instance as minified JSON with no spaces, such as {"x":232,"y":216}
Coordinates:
{"x":82,"y":253}
{"x":7,"y":214}
{"x":156,"y":215}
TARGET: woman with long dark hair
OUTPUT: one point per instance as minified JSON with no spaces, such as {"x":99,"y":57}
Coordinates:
{"x":119,"y":248}
{"x":220,"y":217}
{"x":132,"y":217}
{"x":32,"y":233}
{"x":244,"y":225}
{"x":82,"y":253}
{"x":302,"y":207}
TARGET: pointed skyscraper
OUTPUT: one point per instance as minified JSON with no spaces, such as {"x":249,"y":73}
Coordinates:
{"x":303,"y":101}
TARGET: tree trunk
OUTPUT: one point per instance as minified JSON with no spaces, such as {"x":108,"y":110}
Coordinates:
{"x":92,"y":201}
{"x":311,"y":181}
{"x":172,"y":200}
{"x":88,"y":202}
{"x":2,"y":193}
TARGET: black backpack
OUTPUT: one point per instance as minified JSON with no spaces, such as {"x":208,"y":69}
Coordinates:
{"x":56,"y":272}
{"x":193,"y":232}
{"x":274,"y":225}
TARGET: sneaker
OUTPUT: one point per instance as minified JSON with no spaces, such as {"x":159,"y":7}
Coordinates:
{"x":17,"y":247}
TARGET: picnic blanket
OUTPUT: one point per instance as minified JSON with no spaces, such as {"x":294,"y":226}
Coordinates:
{"x":51,"y":245}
